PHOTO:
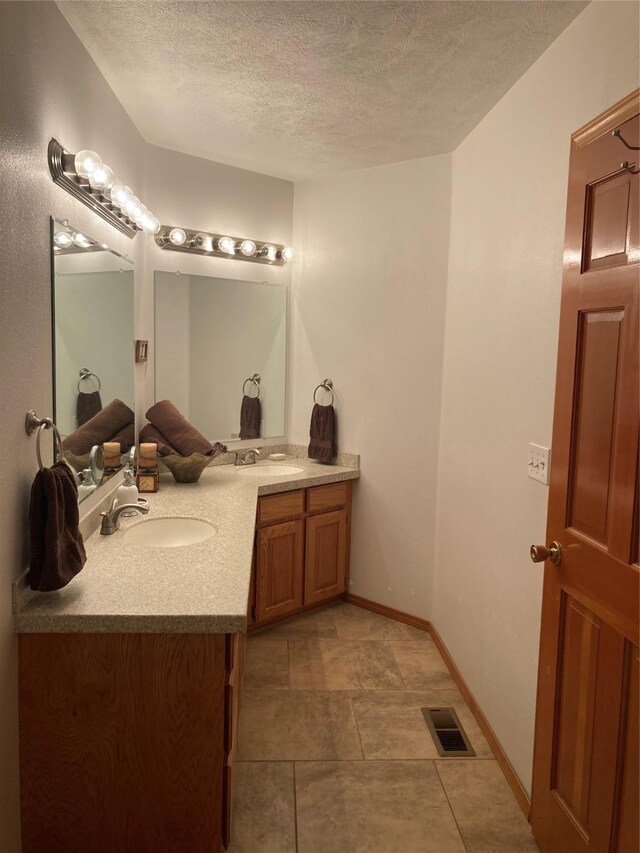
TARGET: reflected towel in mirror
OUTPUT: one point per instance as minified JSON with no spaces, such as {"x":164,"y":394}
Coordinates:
{"x":250,"y":417}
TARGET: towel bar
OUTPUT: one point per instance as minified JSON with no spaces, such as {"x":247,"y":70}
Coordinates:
{"x":32,"y":423}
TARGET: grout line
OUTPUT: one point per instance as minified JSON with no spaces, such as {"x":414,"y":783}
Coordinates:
{"x":453,"y":814}
{"x":295,"y":808}
{"x":352,"y":760}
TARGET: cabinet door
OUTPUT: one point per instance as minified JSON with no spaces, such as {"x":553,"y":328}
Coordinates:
{"x":325,"y":572}
{"x":279,"y":570}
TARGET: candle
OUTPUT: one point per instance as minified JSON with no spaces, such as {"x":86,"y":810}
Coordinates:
{"x":148,"y":455}
{"x":111,"y":450}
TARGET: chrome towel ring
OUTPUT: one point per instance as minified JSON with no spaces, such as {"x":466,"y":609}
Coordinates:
{"x":85,"y":373}
{"x":325,"y":385}
{"x":32,"y":423}
{"x":256,"y":381}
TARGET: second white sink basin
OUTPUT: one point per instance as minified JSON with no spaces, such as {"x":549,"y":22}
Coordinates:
{"x":170,"y":532}
{"x":259,"y":470}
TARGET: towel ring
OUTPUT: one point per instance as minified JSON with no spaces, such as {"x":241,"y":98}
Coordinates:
{"x":85,"y":373}
{"x":325,"y":385}
{"x":256,"y":381}
{"x":31,"y":424}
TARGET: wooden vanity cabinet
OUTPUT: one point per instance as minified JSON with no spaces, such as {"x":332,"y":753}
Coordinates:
{"x":301,"y":551}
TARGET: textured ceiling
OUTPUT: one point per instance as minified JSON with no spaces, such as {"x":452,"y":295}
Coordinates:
{"x":300,"y":89}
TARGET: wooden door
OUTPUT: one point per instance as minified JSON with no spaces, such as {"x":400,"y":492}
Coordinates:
{"x":585,"y":781}
{"x":326,"y":563}
{"x":279,"y":570}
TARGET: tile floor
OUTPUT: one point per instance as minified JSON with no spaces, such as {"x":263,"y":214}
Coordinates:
{"x":334,"y":754}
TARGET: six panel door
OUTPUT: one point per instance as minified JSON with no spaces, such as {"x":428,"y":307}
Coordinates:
{"x":326,"y":563}
{"x":279,"y":570}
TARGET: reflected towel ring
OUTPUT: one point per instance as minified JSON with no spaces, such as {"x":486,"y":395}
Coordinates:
{"x":325,"y":385}
{"x":256,"y":381}
{"x":85,"y":373}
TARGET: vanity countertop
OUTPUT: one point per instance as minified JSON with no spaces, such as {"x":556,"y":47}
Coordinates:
{"x":200,"y":588}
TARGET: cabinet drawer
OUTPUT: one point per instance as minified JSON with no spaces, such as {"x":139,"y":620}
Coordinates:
{"x":278,"y":507}
{"x":323,"y":498}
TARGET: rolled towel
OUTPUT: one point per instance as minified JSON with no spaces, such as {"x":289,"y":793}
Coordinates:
{"x":87,"y":405}
{"x":322,"y":432}
{"x":150,"y":434}
{"x":179,"y":432}
{"x":250,"y":417}
{"x":57,"y":551}
{"x":100,"y":428}
{"x":126,"y":436}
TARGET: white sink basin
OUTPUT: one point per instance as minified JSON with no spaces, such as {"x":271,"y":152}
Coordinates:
{"x":259,"y":470}
{"x":170,"y":532}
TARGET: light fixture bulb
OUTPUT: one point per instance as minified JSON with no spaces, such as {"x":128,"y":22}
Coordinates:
{"x":81,"y":241}
{"x":204,"y":242}
{"x":86,"y":162}
{"x":288,"y":253}
{"x":153,"y":225}
{"x":63,"y":239}
{"x":101,"y":178}
{"x":248,"y":248}
{"x":269,"y":252}
{"x":226,"y":245}
{"x":120,"y":195}
{"x":177,"y":236}
{"x":133,"y":207}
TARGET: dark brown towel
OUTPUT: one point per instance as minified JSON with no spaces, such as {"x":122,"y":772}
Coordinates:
{"x":250,"y":417}
{"x":126,"y":436}
{"x":178,"y":431}
{"x":57,"y":550}
{"x":153,"y":435}
{"x":87,"y":405}
{"x":102,"y":427}
{"x":322,"y":432}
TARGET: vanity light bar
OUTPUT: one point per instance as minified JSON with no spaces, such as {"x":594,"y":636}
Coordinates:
{"x":92,"y":182}
{"x":223,"y":246}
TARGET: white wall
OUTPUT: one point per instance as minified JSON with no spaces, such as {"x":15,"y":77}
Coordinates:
{"x":368,"y":312}
{"x":49,"y":87}
{"x":505,"y":271}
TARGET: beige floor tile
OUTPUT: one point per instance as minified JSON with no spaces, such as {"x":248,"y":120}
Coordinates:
{"x":391,"y":726}
{"x":421,"y":666}
{"x":313,"y":624}
{"x":452,"y":698}
{"x":373,"y":807}
{"x":356,"y":623}
{"x":263,"y":808}
{"x":342,"y":665}
{"x":266,"y":664}
{"x":296,"y":725}
{"x":485,"y":809}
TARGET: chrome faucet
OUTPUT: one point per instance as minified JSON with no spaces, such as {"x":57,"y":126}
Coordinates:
{"x":111,"y":519}
{"x":246,"y":457}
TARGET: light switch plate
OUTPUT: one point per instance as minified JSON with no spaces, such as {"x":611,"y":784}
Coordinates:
{"x":539,"y":459}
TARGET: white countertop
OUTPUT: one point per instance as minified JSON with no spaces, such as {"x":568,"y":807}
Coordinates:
{"x":201,"y":588}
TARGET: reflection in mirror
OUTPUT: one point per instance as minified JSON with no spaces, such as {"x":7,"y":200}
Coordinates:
{"x":212,"y":336}
{"x":93,"y":300}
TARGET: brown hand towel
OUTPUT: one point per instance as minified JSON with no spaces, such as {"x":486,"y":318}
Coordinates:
{"x":57,"y":550}
{"x":126,"y":436}
{"x":154,"y":436}
{"x":250,"y":417}
{"x":87,"y":405}
{"x":179,"y":432}
{"x":322,"y":432}
{"x":102,"y":427}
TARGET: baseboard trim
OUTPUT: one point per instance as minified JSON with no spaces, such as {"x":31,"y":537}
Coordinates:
{"x":505,"y":765}
{"x":398,"y":615}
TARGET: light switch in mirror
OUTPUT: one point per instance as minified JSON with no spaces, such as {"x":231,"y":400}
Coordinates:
{"x":93,"y":359}
{"x":211,"y":336}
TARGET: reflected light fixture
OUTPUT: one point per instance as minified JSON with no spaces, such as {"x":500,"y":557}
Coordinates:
{"x":88,"y":179}
{"x":220,"y":245}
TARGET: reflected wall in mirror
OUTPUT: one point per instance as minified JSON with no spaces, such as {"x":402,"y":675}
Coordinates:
{"x":93,"y":299}
{"x":213,"y":334}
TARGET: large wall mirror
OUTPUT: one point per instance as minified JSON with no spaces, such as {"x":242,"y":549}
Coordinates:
{"x":220,"y":354}
{"x":93,"y":349}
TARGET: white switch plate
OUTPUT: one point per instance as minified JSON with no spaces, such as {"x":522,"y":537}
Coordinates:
{"x":539,"y":459}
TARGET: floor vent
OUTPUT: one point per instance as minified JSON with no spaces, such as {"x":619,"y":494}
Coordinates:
{"x":447,"y":732}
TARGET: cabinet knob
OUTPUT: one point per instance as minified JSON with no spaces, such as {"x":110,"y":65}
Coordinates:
{"x":540,"y":553}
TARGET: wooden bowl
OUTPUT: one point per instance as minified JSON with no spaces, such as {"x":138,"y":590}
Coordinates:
{"x":186,"y":469}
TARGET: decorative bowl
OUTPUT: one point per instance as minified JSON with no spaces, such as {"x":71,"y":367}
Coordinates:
{"x":186,"y":469}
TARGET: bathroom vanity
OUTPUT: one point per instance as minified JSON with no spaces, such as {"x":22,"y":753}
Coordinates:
{"x":131,"y":676}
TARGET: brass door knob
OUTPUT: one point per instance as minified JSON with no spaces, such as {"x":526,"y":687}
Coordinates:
{"x":554,"y":553}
